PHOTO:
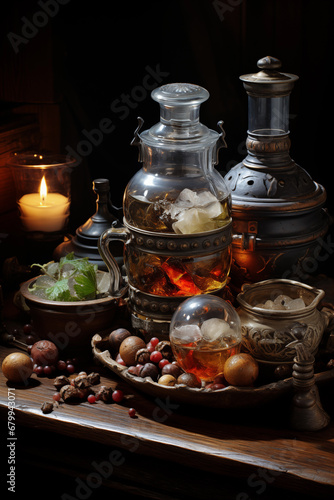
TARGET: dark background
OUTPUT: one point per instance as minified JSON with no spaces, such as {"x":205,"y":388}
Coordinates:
{"x":86,"y":55}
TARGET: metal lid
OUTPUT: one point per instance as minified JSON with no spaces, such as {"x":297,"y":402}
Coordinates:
{"x":268,"y":82}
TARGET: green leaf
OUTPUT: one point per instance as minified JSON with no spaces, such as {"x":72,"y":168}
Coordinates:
{"x":60,"y":291}
{"x":75,"y":279}
{"x":85,"y":286}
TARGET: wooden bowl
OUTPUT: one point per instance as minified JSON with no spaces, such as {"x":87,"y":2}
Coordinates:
{"x":70,"y":325}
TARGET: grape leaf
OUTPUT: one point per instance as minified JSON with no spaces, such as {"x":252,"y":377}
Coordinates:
{"x":59,"y":291}
{"x":76,"y":279}
{"x":85,"y":286}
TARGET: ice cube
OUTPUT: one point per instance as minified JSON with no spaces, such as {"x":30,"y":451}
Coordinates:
{"x":194,"y":220}
{"x":103,"y":283}
{"x":53,"y":269}
{"x":269,"y":304}
{"x":295,"y":304}
{"x":186,"y":198}
{"x":282,"y":300}
{"x":204,"y":198}
{"x":215,"y":328}
{"x":186,"y":334}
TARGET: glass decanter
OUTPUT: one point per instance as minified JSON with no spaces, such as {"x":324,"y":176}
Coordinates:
{"x":177,"y":210}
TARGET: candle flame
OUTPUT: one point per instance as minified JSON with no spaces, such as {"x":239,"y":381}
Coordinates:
{"x":43,"y":190}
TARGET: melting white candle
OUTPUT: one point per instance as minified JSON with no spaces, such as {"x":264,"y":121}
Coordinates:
{"x":43,"y":211}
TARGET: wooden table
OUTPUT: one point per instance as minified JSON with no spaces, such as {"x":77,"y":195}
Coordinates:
{"x":169,"y":451}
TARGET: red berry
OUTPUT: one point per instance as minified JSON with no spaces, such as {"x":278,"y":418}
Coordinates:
{"x":132,"y":412}
{"x":150,"y":347}
{"x":30,"y":340}
{"x":56,"y":396}
{"x":70,"y":368}
{"x":154,"y":341}
{"x":156,"y":356}
{"x":117,"y":396}
{"x":91,"y":399}
{"x":27,"y":329}
{"x":39,"y":370}
{"x":163,"y":362}
{"x":48,"y":370}
{"x":61,"y":365}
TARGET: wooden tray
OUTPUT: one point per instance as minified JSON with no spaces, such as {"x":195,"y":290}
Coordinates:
{"x":229,"y":397}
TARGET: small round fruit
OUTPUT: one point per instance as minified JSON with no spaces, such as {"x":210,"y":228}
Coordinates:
{"x":154,"y":341}
{"x":155,"y":356}
{"x":132,"y":412}
{"x":167,"y":380}
{"x":116,"y":337}
{"x":56,"y":396}
{"x":117,"y":396}
{"x":91,"y":398}
{"x":17,"y":367}
{"x":241,"y":370}
{"x":189,"y":379}
{"x":27,"y":329}
{"x":129,"y":347}
{"x":70,"y":368}
{"x":44,"y":352}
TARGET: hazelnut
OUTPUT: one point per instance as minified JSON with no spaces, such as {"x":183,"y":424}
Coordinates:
{"x":116,"y":337}
{"x":149,"y":370}
{"x":189,"y":379}
{"x":129,"y":347}
{"x":167,"y":380}
{"x":172,"y":369}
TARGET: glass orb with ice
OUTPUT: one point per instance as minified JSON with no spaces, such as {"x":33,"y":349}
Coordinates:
{"x":205,"y":330}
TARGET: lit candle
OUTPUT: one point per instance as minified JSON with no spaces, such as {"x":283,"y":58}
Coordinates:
{"x":43,"y":211}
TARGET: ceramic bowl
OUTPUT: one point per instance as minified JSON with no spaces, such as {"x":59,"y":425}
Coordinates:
{"x":70,"y":325}
{"x":266,"y":333}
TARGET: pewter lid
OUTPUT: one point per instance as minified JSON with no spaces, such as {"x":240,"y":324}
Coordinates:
{"x":269,"y":82}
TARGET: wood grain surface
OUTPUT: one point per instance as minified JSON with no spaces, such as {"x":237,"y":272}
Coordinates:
{"x":251,"y":449}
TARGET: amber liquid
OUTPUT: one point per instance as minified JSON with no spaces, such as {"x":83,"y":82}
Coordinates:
{"x":151,"y":216}
{"x":205,"y":361}
{"x":177,"y":276}
{"x":167,"y":275}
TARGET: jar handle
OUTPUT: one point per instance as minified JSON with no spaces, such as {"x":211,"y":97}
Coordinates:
{"x":221,"y":143}
{"x":136,"y":141}
{"x":116,"y":280}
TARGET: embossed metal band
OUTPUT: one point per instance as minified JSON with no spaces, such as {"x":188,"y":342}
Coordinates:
{"x":182,"y":244}
{"x":153,"y":306}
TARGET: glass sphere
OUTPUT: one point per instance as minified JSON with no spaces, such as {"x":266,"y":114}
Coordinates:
{"x":205,"y":331}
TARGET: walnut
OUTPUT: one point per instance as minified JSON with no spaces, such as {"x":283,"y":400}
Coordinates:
{"x":142,"y":356}
{"x":105,"y":394}
{"x":166,"y":350}
{"x":60,"y":381}
{"x":69,"y":393}
{"x":93,"y":378}
{"x":47,"y":407}
{"x":82,"y":382}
